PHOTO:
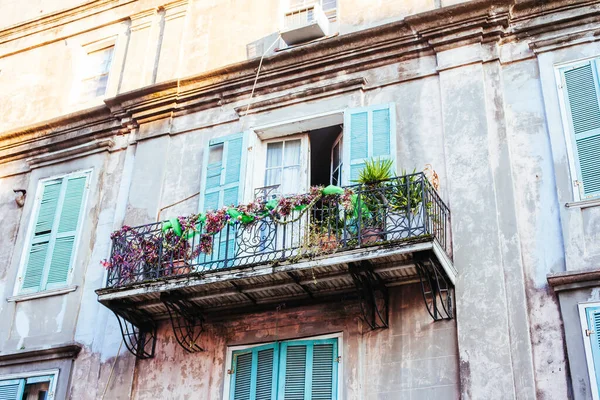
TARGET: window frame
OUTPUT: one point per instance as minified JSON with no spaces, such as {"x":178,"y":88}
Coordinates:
{"x":587,"y":346}
{"x":569,"y":135}
{"x":340,"y":349}
{"x":52,"y":373}
{"x":260,"y":161}
{"x":31,"y":227}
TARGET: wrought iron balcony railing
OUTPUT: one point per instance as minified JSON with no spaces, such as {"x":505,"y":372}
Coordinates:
{"x":396,"y":212}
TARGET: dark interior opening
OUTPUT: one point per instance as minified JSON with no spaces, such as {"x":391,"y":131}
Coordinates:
{"x":321,"y":142}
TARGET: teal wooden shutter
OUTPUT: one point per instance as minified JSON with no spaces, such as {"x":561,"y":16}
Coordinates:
{"x":581,"y":90}
{"x":12,"y":389}
{"x":54,"y":233}
{"x":593,"y":322}
{"x":308,"y":370}
{"x":223,"y":181}
{"x":368,"y":133}
{"x":68,"y":220}
{"x":255,"y":373}
{"x":223,"y":185}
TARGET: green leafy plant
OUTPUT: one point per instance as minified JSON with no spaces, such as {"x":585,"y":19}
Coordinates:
{"x":407,"y":193}
{"x":375,"y":171}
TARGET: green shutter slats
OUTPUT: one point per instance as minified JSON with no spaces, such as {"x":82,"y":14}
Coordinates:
{"x":588,"y":150}
{"x":35,"y":266}
{"x":51,"y":249}
{"x":322,"y":372}
{"x":69,"y":216}
{"x":264,"y":374}
{"x":61,"y":260}
{"x":368,"y":133}
{"x":381,"y":133}
{"x":47,"y":210}
{"x":234,"y":160}
{"x":230,"y":196}
{"x":359,"y":144}
{"x":583,"y":105}
{"x":213,"y":175}
{"x":243,"y":377}
{"x":583,"y":98}
{"x":12,"y":389}
{"x":211,"y":201}
{"x":295,"y":373}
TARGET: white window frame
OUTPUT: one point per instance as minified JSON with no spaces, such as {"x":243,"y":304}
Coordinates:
{"x":261,"y":160}
{"x":340,"y":143}
{"x":569,"y":135}
{"x":25,"y":375}
{"x":230,"y":349}
{"x":587,"y":347}
{"x":31,"y":226}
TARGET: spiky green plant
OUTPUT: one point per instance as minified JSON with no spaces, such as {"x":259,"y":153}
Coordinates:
{"x":375,"y":170}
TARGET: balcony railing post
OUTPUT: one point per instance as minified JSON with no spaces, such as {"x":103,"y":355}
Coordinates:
{"x":424,"y":213}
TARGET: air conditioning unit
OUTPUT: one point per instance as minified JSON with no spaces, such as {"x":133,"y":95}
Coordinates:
{"x":303,"y":24}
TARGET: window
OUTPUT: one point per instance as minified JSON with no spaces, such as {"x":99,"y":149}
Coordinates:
{"x":328,"y":6}
{"x":295,"y":369}
{"x":336,"y":162}
{"x":53,"y":234}
{"x":96,"y":71}
{"x":283,"y":165}
{"x":590,"y":323}
{"x":33,"y":387}
{"x":581,"y":113}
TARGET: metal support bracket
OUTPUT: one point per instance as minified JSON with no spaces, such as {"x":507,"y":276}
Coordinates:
{"x":437,"y":293}
{"x":373,"y":295}
{"x":138,"y":330}
{"x":186,"y":320}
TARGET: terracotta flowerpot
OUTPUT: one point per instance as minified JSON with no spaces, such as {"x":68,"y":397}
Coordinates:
{"x":177,"y":267}
{"x":328,"y":242}
{"x":371,"y":235}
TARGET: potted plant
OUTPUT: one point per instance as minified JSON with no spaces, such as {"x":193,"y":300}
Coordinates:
{"x":373,"y":179}
{"x":406,"y":218}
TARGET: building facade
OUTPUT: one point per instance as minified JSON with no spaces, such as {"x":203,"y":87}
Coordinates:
{"x":477,"y":278}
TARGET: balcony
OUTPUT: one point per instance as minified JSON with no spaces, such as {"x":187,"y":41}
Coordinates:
{"x":331,"y":244}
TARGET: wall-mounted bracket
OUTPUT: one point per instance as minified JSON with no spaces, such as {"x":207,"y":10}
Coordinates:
{"x":437,"y":293}
{"x":186,"y":320}
{"x":373,"y":294}
{"x":138,"y":330}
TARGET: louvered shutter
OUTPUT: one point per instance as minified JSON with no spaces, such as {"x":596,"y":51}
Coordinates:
{"x":582,"y":102}
{"x":308,"y":370}
{"x":255,"y":373}
{"x":66,"y":234}
{"x":55,"y":230}
{"x":223,"y":185}
{"x":12,"y":389}
{"x":368,"y":133}
{"x":593,"y":322}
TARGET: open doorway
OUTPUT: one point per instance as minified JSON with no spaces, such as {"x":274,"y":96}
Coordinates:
{"x":325,"y":156}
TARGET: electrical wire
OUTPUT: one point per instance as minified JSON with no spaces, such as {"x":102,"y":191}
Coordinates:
{"x":258,"y":72}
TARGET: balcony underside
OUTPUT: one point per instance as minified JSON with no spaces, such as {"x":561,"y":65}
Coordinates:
{"x":248,"y":288}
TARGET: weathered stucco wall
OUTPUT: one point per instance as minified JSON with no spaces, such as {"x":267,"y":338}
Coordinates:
{"x":414,"y":358}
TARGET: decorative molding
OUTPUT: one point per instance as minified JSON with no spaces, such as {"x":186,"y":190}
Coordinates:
{"x":64,"y":351}
{"x":571,"y":280}
{"x":59,"y":156}
{"x":42,"y":294}
{"x":309,"y":94}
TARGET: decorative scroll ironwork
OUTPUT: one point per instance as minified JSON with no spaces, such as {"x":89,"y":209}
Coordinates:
{"x":437,"y":293}
{"x":399,"y":211}
{"x":138,"y":330}
{"x":373,"y":295}
{"x":186,"y":321}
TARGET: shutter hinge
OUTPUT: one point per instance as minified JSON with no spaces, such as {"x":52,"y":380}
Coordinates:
{"x":576,"y":183}
{"x":338,"y":359}
{"x":589,"y":332}
{"x":230,"y":372}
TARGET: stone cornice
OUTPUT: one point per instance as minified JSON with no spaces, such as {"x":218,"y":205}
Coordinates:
{"x":314,"y":70}
{"x":571,"y":280}
{"x":66,"y":351}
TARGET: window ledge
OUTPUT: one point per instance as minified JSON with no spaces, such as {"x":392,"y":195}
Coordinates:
{"x":584,"y":203}
{"x":38,"y":295}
